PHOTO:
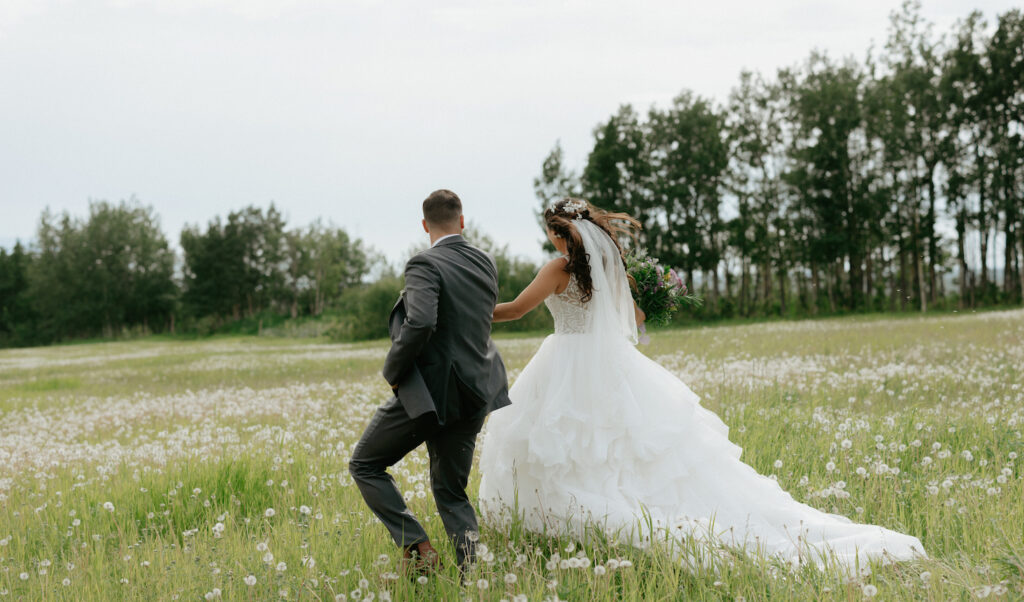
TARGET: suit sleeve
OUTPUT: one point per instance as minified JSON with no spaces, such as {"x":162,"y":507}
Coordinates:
{"x":422,"y":288}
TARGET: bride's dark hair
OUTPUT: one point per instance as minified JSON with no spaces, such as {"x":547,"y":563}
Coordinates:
{"x":559,"y":219}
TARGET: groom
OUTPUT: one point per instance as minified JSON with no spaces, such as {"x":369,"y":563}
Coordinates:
{"x":446,"y":375}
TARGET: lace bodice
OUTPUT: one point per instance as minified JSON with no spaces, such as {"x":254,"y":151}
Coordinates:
{"x":569,"y":312}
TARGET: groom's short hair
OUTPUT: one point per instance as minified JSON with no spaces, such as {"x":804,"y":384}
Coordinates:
{"x":442,"y":208}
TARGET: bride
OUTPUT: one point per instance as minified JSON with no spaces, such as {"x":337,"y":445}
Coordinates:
{"x":600,"y":436}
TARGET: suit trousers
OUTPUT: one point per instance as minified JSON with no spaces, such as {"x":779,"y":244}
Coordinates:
{"x":390,"y":436}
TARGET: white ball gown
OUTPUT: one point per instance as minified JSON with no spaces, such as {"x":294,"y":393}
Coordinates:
{"x":600,"y":436}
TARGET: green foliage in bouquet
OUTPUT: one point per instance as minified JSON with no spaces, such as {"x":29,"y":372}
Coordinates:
{"x":659,"y":292}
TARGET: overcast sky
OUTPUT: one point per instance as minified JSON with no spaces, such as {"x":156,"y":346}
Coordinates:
{"x":354,"y":110}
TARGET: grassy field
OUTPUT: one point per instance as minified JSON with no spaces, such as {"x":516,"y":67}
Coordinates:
{"x":162,"y":470}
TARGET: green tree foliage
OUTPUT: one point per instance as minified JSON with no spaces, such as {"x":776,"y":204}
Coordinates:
{"x":101,"y":275}
{"x":322,"y":263}
{"x":17,"y":317}
{"x":836,"y":184}
{"x":234,"y":268}
{"x":618,"y":166}
{"x":688,"y":158}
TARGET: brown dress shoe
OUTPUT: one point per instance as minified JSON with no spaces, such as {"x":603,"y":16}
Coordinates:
{"x":420,"y":559}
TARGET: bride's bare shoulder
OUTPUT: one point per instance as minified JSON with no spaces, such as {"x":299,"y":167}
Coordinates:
{"x":555,"y":271}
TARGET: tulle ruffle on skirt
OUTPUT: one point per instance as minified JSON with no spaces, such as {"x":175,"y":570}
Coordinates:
{"x":598,"y":435}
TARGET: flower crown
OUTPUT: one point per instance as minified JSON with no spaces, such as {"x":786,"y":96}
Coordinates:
{"x":574,"y":207}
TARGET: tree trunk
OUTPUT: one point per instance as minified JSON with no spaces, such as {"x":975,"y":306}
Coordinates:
{"x":856,"y":282}
{"x":933,"y":247}
{"x":766,"y":273}
{"x":918,"y":269}
{"x":783,"y":280}
{"x":801,"y":288}
{"x":1020,"y":265}
{"x":894,"y":293}
{"x":832,"y":289}
{"x":869,"y":280}
{"x":1009,"y":251}
{"x":961,"y":233}
{"x":728,"y":282}
{"x":744,"y":288}
{"x":815,"y":288}
{"x":713,"y":297}
{"x":983,"y":243}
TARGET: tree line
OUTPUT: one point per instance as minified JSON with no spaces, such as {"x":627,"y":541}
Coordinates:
{"x":113,"y":272}
{"x":894,"y":183}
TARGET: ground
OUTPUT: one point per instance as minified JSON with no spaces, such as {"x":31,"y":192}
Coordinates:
{"x":169,"y":469}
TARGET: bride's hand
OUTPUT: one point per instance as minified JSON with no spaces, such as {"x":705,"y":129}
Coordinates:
{"x":641,"y":317}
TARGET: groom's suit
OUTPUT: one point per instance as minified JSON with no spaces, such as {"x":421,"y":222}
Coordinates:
{"x":448,"y":376}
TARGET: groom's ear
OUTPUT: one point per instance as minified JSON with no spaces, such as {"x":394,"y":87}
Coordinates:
{"x":462,"y":222}
{"x":425,"y":227}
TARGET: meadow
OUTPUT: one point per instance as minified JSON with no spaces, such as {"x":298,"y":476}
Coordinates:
{"x":217,"y":469}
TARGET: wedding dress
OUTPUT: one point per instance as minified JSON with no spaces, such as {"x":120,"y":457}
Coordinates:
{"x":601,"y":437}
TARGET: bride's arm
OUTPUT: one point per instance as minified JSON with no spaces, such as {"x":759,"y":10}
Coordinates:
{"x":549,"y":279}
{"x":641,"y":317}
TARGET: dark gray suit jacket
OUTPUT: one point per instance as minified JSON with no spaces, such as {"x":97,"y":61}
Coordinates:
{"x":442,"y":357}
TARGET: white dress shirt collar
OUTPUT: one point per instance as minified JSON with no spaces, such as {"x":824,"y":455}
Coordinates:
{"x":438,"y":241}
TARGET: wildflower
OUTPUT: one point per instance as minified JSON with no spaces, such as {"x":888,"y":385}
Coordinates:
{"x":250,"y":580}
{"x":66,"y":582}
{"x":269,"y":512}
{"x":830,"y":466}
{"x":777,"y":464}
{"x":482,"y":584}
{"x":23,"y":576}
{"x":869,"y":591}
{"x":262,"y":546}
{"x":422,"y":580}
{"x":268,"y":557}
{"x":511,"y":578}
{"x":108,"y":506}
{"x":281,"y":567}
{"x":600,"y":570}
{"x":846,"y":444}
{"x":304,"y":510}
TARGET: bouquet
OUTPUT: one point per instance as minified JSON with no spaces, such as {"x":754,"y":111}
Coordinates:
{"x":659,"y":293}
